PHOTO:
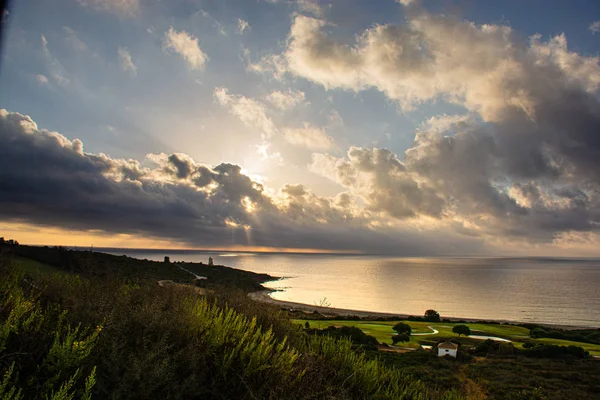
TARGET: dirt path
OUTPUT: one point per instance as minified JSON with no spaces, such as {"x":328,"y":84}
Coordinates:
{"x":434,"y":332}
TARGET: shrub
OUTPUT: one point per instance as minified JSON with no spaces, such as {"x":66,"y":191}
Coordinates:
{"x":401,"y":337}
{"x":42,"y":355}
{"x":401,"y":327}
{"x":432,"y":316}
{"x":461,"y":330}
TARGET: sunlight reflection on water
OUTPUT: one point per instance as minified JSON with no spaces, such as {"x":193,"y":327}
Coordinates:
{"x":528,"y":290}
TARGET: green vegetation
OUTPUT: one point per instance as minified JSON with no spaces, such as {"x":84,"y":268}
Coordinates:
{"x":576,"y":335}
{"x":109,"y":331}
{"x":383,"y":331}
{"x":461,"y":330}
{"x":355,"y":335}
{"x":503,"y":377}
{"x":101,"y":265}
{"x":79,"y":324}
{"x":432,"y":316}
{"x":401,"y":327}
{"x":400,"y":338}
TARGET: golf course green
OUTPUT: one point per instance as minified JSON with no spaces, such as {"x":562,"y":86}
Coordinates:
{"x":423,"y":333}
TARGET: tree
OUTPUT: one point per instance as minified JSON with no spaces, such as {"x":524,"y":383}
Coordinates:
{"x":401,"y":327}
{"x":167,"y":260}
{"x":461,"y":330}
{"x":306,"y":325}
{"x":432,"y":316}
{"x":401,"y":337}
{"x":210,"y":261}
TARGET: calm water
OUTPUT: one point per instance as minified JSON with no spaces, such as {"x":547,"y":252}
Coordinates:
{"x":555,"y":291}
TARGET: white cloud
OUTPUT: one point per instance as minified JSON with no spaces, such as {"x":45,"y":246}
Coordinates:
{"x":123,"y":8}
{"x":309,"y":136}
{"x":406,"y":2}
{"x":335,"y":120}
{"x":41,"y":79}
{"x":242,"y":26}
{"x":186,"y":45}
{"x":126,"y":62}
{"x":57,"y":72}
{"x":594,"y":27}
{"x":582,"y":70}
{"x":251,"y":112}
{"x":285,"y":100}
{"x":74,"y":41}
{"x":382,"y":181}
{"x":443,"y":124}
{"x":273,"y":64}
{"x":482,"y":67}
{"x":310,"y":7}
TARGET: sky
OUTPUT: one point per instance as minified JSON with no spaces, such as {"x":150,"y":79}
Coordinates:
{"x":409,"y":127}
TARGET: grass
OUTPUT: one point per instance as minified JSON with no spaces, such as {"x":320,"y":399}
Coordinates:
{"x":594,"y":349}
{"x":33,"y":266}
{"x":74,"y":335}
{"x":511,"y":377}
{"x":382,"y":331}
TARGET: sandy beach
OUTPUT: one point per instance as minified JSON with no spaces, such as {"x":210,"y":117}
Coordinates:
{"x":264,"y":297}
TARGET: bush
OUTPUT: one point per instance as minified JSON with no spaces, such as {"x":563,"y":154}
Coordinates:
{"x":461,"y":330}
{"x":554,"y":351}
{"x":432,"y":316}
{"x":42,"y":355}
{"x":168,"y":342}
{"x":401,"y":337}
{"x":401,"y":327}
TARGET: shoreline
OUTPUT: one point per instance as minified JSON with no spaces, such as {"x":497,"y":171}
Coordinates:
{"x":263,"y":296}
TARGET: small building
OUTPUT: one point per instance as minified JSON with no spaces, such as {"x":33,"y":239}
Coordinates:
{"x":447,"y":349}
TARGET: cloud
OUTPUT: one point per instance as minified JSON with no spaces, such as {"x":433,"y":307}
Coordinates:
{"x":48,"y":180}
{"x":481,"y":67}
{"x":122,"y":8}
{"x":309,"y":136}
{"x":272,"y":64}
{"x":57,"y":72}
{"x":249,"y":111}
{"x":126,"y":62}
{"x":186,"y":45}
{"x":594,"y":27}
{"x":407,"y":2}
{"x":242,"y":26}
{"x":285,"y":100}
{"x":74,"y":41}
{"x":41,"y":79}
{"x":310,"y":7}
{"x":382,"y":181}
{"x":522,"y":163}
{"x":519,"y":165}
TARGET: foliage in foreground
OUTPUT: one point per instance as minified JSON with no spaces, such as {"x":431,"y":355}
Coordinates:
{"x":40,"y":354}
{"x":167,"y":342}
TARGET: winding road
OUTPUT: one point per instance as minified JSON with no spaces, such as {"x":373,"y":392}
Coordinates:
{"x":434,"y":332}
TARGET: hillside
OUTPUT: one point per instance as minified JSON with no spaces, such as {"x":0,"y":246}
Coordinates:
{"x":111,"y":331}
{"x":81,"y":324}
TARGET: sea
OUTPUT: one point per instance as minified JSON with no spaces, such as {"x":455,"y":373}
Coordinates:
{"x":540,"y":290}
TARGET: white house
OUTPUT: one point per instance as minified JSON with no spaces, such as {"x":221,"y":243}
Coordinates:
{"x":447,"y":349}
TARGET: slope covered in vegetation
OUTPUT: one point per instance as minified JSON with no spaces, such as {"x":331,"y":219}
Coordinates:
{"x":122,"y":336}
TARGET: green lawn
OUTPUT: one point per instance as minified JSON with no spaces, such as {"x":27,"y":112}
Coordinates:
{"x":33,"y":267}
{"x":382,"y":331}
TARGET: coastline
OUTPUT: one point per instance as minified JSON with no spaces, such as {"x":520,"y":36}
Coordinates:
{"x":263,"y":296}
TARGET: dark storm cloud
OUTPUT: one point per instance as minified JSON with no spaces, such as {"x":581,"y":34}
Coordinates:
{"x":46,"y":179}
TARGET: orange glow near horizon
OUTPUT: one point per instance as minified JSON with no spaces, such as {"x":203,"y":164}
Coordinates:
{"x":48,"y":236}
